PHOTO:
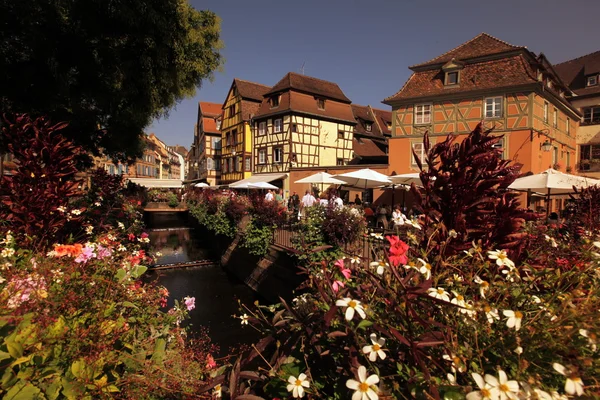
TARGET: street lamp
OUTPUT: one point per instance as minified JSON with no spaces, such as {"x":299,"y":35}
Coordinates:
{"x":546,"y":146}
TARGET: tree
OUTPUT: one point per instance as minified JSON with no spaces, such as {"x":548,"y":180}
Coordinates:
{"x":106,"y":67}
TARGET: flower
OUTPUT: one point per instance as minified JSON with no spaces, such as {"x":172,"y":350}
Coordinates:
{"x":457,"y":364}
{"x":120,"y":225}
{"x":355,"y":260}
{"x":502,"y":388}
{"x":378,"y":236}
{"x":574,"y":384}
{"x":351,"y":306}
{"x":519,"y":350}
{"x":218,"y":391}
{"x":244,"y":319}
{"x":297,"y":385}
{"x":363,"y":388}
{"x":459,"y":300}
{"x":97,"y":204}
{"x":484,"y":389}
{"x":590,"y":337}
{"x":8,"y":252}
{"x":61,"y":209}
{"x":210,"y":362}
{"x":89,"y":229}
{"x":452,"y":233}
{"x":491,"y":314}
{"x":345,"y":271}
{"x":551,"y":240}
{"x":501,"y":258}
{"x":398,"y":250}
{"x":76,"y":212}
{"x":484,"y":286}
{"x":375,"y":349}
{"x":438,"y":293}
{"x":86,"y":253}
{"x":412,"y":222}
{"x":381,"y":264}
{"x":425,"y":268}
{"x":514,"y":319}
{"x":337,"y":285}
{"x":190,"y":302}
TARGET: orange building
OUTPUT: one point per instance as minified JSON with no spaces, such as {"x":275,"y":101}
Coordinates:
{"x":486,"y":80}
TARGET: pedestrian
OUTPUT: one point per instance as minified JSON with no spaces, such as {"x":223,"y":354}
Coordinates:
{"x":323,"y":200}
{"x":308,"y":200}
{"x":338,"y":202}
{"x":357,"y":200}
{"x":279,"y":196}
{"x":382,"y":216}
{"x":294,"y":203}
{"x":269,"y":196}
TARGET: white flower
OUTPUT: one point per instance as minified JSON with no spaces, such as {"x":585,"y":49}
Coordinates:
{"x":381,"y":265}
{"x":557,"y":396}
{"x":355,"y":260}
{"x":218,"y":391}
{"x":519,"y":350}
{"x":7,"y":252}
{"x":551,"y":240}
{"x":378,"y":236}
{"x":376,"y":349}
{"x":76,"y":212}
{"x":574,"y":384}
{"x":2,"y":280}
{"x":97,"y":204}
{"x":501,"y":258}
{"x":590,"y":337}
{"x":297,"y":385}
{"x":412,"y":222}
{"x":89,"y":229}
{"x":61,"y":209}
{"x":514,"y":319}
{"x":363,"y":388}
{"x":491,"y":314}
{"x":121,"y":248}
{"x":452,"y":233}
{"x":458,"y":299}
{"x":399,"y":220}
{"x":121,"y":225}
{"x":244,"y":319}
{"x":438,"y":293}
{"x":484,"y":286}
{"x":484,"y":389}
{"x":457,"y":364}
{"x":502,"y":388}
{"x":351,"y":306}
{"x":529,"y":393}
{"x":425,"y":268}
{"x":158,"y":254}
{"x":536,"y":299}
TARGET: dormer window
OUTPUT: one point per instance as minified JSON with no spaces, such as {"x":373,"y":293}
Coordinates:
{"x":452,"y":78}
{"x":368,"y":126}
{"x":592,"y":80}
{"x":320,"y":104}
{"x":274,"y":101}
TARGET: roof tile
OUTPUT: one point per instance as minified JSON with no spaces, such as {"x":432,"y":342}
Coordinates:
{"x":308,"y":84}
{"x":574,"y":73}
{"x":251,"y":90}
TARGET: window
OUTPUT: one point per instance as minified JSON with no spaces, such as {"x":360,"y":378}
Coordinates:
{"x":294,"y":127}
{"x":230,"y":167}
{"x":368,"y":126}
{"x":277,"y":155}
{"x":234,"y":137}
{"x":218,"y":124}
{"x":210,"y":164}
{"x":321,"y":104}
{"x":227,"y":139}
{"x":568,"y":159}
{"x":238,"y":164}
{"x":274,"y":101}
{"x":248,"y":165}
{"x":591,"y":115}
{"x":340,"y":134}
{"x":419,"y":150}
{"x":554,"y":156}
{"x":546,"y":112}
{"x":340,"y":161}
{"x":423,"y":114}
{"x":262,"y":156}
{"x":555,"y":118}
{"x":262,"y":128}
{"x":277,"y":125}
{"x":215,"y":143}
{"x":592,"y":80}
{"x":568,"y":128}
{"x":231,"y":110}
{"x":452,"y":78}
{"x":493,"y":107}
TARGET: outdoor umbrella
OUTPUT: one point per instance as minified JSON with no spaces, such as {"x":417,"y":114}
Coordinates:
{"x":261,"y":185}
{"x":407,"y":179}
{"x":201,"y":185}
{"x":321,"y":178}
{"x":364,"y":179}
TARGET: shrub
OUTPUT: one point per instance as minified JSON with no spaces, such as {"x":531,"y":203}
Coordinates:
{"x":267,"y":213}
{"x":343,"y":226}
{"x":257,"y":239}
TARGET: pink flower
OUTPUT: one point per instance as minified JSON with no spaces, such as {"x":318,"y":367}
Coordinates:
{"x":345,"y":271}
{"x":103,"y":252}
{"x":144,"y":235}
{"x":337,"y":285}
{"x":190,"y":303}
{"x":86,"y":253}
{"x":398,"y":250}
{"x":210,"y":362}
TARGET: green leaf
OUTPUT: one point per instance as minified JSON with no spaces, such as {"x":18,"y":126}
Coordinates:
{"x":8,"y":378}
{"x":53,"y":390}
{"x":121,"y":274}
{"x":14,"y":348}
{"x":22,"y":391}
{"x":4,"y":355}
{"x":129,"y":304}
{"x":159,"y":350}
{"x":138,"y":271}
{"x":80,"y":370}
{"x":364,"y":324}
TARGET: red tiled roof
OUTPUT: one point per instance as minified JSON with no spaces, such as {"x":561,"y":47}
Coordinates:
{"x":250,"y":90}
{"x":210,"y":125}
{"x":384,"y":117}
{"x":502,"y":73}
{"x":292,"y":101}
{"x":364,"y":147}
{"x":309,"y":85}
{"x":481,"y":45}
{"x":378,"y":119}
{"x":210,"y":109}
{"x":575,"y":72}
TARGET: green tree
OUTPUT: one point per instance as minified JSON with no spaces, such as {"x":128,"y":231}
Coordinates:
{"x":107,"y":67}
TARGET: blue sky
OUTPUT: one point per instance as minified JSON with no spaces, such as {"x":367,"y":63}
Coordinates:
{"x":367,"y":46}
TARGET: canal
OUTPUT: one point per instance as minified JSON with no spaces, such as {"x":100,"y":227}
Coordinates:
{"x":217,"y":293}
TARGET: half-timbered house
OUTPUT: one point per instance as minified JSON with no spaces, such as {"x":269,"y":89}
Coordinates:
{"x":486,"y":80}
{"x":207,"y":144}
{"x":242,"y":103}
{"x":302,"y":122}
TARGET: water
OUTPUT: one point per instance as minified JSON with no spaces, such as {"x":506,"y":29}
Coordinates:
{"x":217,"y":293}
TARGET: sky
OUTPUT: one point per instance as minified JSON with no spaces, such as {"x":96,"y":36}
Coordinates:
{"x":367,"y":46}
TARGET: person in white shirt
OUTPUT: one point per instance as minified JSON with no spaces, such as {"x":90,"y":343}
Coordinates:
{"x":269,"y":196}
{"x":308,"y":200}
{"x":338,"y":202}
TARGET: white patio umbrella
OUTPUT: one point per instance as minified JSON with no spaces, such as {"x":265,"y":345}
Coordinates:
{"x":364,"y":179}
{"x":261,"y":185}
{"x":552,"y":182}
{"x":201,"y":185}
{"x":406,"y":179}
{"x":321,"y":178}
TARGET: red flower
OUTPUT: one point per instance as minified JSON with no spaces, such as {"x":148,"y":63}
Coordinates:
{"x":131,"y":237}
{"x":398,"y":250}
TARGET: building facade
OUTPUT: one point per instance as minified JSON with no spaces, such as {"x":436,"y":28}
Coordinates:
{"x":506,"y":87}
{"x":371,"y":133}
{"x":302,"y":122}
{"x":242,"y":103}
{"x":582,"y":75}
{"x":207,"y":143}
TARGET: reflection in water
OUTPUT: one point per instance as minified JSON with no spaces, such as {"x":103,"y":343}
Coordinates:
{"x":216,"y":293}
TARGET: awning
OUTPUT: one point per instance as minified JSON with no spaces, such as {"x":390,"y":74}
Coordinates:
{"x":258,"y":178}
{"x":157,"y":183}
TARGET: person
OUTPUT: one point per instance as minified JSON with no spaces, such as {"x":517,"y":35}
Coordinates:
{"x":323,"y":200}
{"x":397,"y":217}
{"x":269,"y":196}
{"x":308,"y":200}
{"x":357,"y":200}
{"x":553,"y":219}
{"x":382,"y":216}
{"x":294,"y":203}
{"x":279,"y":196}
{"x":338,"y":202}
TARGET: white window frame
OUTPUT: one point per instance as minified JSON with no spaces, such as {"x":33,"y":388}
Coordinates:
{"x":555,"y":118}
{"x":262,"y":156}
{"x":421,"y":111}
{"x":568,"y":126}
{"x":420,"y":152}
{"x":262,"y":128}
{"x":591,"y":80}
{"x":277,"y":125}
{"x":447,"y":82}
{"x":277,"y":160}
{"x":247,"y":164}
{"x":545,"y":112}
{"x":210,"y":164}
{"x":497,"y":107}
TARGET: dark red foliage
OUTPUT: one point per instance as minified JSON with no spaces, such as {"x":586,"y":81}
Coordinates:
{"x":583,"y":210}
{"x":342,"y":227}
{"x":267,"y":213}
{"x":44,"y":179}
{"x":464,"y":189}
{"x":105,"y":188}
{"x":236,"y":208}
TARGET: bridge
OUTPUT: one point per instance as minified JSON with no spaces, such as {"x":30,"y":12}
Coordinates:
{"x":164,"y":207}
